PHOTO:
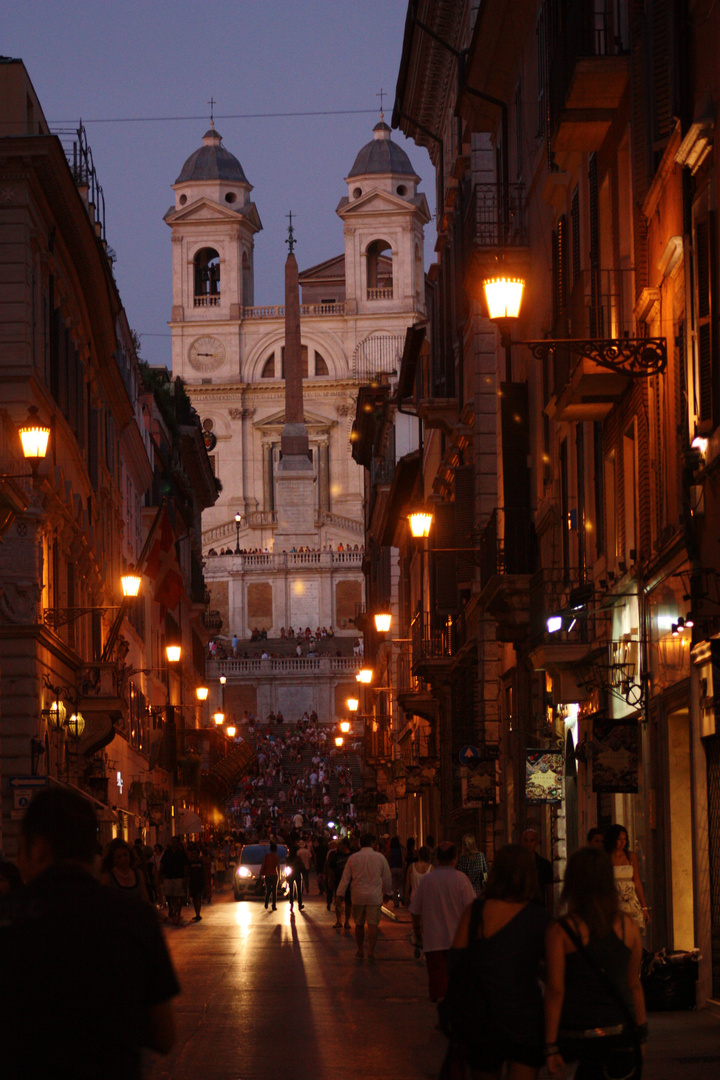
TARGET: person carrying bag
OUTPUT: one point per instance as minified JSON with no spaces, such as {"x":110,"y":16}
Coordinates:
{"x":594,"y":1005}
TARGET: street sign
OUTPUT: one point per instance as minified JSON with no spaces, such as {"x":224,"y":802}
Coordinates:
{"x":469,"y":755}
{"x":28,"y":781}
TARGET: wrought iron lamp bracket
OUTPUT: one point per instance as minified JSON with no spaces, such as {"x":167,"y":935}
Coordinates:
{"x":55,"y":617}
{"x":638,"y":358}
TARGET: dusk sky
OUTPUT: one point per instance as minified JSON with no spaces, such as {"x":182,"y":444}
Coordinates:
{"x":151,"y":68}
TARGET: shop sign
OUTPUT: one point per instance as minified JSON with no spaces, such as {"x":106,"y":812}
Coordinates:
{"x":544,"y":776}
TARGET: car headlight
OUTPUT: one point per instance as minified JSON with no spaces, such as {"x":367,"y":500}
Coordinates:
{"x":244,"y":872}
{"x":287,"y":871}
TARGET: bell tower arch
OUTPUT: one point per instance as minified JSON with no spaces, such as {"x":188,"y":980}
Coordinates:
{"x":213,"y":223}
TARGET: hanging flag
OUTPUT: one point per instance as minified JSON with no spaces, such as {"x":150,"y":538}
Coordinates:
{"x":162,"y":566}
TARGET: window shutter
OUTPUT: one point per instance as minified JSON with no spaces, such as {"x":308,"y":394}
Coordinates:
{"x":595,"y":313}
{"x":465,"y":518}
{"x":705,"y":276}
{"x":444,"y":566}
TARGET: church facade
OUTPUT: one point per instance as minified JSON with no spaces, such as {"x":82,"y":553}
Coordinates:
{"x":354,"y":313}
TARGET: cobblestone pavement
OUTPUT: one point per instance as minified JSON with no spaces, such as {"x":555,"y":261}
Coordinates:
{"x":269,"y":992}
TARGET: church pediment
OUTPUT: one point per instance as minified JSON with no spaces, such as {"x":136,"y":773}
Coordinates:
{"x":330,"y":270}
{"x":274,"y":423}
{"x":205,"y":209}
{"x":382,"y":202}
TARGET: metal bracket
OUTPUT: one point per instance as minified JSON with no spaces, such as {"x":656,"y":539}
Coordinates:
{"x":55,"y":617}
{"x":638,"y":358}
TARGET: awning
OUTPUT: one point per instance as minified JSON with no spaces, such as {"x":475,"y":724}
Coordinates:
{"x":111,"y":814}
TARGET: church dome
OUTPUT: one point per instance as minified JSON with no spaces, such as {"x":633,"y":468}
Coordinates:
{"x":382,"y":155}
{"x":212,"y":162}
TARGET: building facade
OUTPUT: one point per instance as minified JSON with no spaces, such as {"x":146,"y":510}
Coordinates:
{"x":86,"y":692}
{"x":355,"y":309}
{"x":561,"y":661}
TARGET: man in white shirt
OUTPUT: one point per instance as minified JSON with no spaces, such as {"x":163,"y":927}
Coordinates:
{"x":368,"y":874}
{"x":436,"y":907}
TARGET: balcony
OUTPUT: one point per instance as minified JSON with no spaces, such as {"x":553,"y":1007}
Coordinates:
{"x":588,"y":73}
{"x":585,"y":389}
{"x":380,"y":294}
{"x":435,"y":647}
{"x":508,"y":556}
{"x":437,"y":401}
{"x":207,"y":301}
{"x":495,"y":218}
{"x":412,"y":696}
{"x":567,"y":652}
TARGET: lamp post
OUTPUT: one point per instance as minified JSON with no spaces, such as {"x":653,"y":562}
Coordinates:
{"x":173,"y":652}
{"x":238,"y":519}
{"x":420,"y":521}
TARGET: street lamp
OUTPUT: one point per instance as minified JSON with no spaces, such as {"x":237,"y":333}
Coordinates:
{"x":130,"y":582}
{"x":219,"y":718}
{"x":345,"y":726}
{"x":202,"y":693}
{"x":383,"y":619}
{"x":238,"y":519}
{"x":420,"y":522}
{"x":339,"y":740}
{"x":633,"y":357}
{"x":34,"y":437}
{"x":173,"y":653}
{"x":353,"y":704}
{"x":230,"y":731}
{"x":364,"y":675}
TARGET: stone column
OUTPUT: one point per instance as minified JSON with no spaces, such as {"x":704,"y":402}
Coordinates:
{"x":268,"y":494}
{"x":324,"y":477}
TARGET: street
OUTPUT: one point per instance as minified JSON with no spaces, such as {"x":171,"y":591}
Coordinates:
{"x":270,"y":992}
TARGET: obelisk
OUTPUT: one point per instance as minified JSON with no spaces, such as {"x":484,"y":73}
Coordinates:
{"x":295,"y":473}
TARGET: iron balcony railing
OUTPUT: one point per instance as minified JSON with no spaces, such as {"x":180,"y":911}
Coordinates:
{"x":559,"y":591}
{"x":434,"y":380}
{"x":433,"y":640}
{"x":578,"y":29}
{"x":508,"y":544}
{"x":495,"y":217}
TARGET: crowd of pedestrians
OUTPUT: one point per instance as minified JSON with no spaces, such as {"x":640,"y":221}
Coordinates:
{"x":487,"y":933}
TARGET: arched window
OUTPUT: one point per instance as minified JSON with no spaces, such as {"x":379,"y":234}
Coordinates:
{"x":207,"y":278}
{"x":379,"y":270}
{"x":321,"y":367}
{"x":268,"y":371}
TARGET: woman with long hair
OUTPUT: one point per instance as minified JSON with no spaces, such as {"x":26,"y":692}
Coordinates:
{"x":507,"y":954}
{"x":594,"y":1005}
{"x":627,"y":876}
{"x":120,"y":871}
{"x":473,"y":863}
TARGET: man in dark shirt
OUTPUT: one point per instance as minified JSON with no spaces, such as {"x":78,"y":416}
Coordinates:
{"x":86,"y":977}
{"x":175,"y":870}
{"x":544,"y":895}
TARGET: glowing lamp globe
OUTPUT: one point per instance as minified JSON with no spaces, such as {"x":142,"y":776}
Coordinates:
{"x":219,"y":718}
{"x":230,"y":732}
{"x":34,"y":437}
{"x":353,"y":704}
{"x":339,"y":740}
{"x":75,"y":725}
{"x":173,"y":653}
{"x":202,"y":693}
{"x":504,"y":297}
{"x":56,"y":715}
{"x":345,"y":726}
{"x":420,"y":523}
{"x":130,"y":582}
{"x":364,"y":675}
{"x":382,"y":622}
